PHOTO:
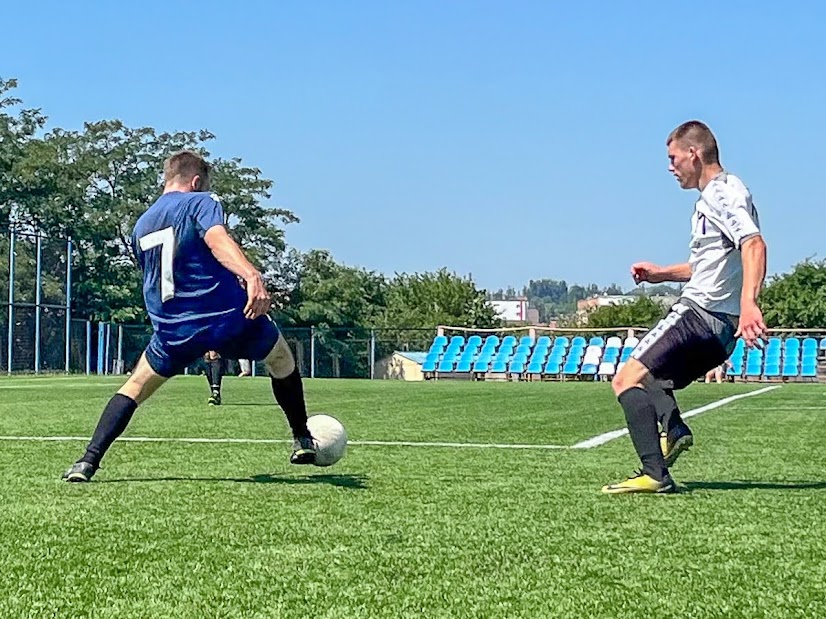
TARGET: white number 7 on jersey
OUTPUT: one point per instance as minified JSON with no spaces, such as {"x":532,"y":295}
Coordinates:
{"x":166,"y":239}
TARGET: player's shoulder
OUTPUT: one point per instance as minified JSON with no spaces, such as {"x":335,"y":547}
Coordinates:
{"x":726,"y":191}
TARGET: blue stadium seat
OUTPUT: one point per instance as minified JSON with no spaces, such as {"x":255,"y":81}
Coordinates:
{"x":571,"y":368}
{"x":790,"y":371}
{"x":509,"y":340}
{"x":516,"y":367}
{"x":499,"y":367}
{"x":553,"y":367}
{"x":429,"y":366}
{"x":791,"y":343}
{"x":543,"y":340}
{"x":538,"y":356}
{"x":556,"y":357}
{"x":578,"y":341}
{"x":481,"y":365}
{"x":475,"y":341}
{"x":561,"y":341}
{"x":523,"y":348}
{"x":753,"y":370}
{"x":823,"y":344}
{"x":535,"y":367}
{"x":772,"y":370}
{"x":589,"y":369}
{"x":773,"y":356}
{"x":736,"y":369}
{"x":464,"y":365}
{"x":526,"y":340}
{"x":809,"y":370}
{"x":596,"y":341}
{"x":626,"y":353}
{"x":445,"y":366}
{"x":492,"y":340}
{"x":432,"y":356}
{"x":440,"y":340}
{"x":810,"y":343}
{"x":520,"y":357}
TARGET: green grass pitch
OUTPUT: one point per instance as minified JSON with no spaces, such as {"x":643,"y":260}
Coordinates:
{"x":231,"y":530}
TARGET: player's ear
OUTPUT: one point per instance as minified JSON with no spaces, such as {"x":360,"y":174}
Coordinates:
{"x":196,"y":183}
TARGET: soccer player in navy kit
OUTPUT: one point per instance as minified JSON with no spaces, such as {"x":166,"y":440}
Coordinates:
{"x":190,"y":270}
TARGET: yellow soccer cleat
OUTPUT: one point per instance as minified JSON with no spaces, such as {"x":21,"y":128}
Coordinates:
{"x":640,"y":482}
{"x":674,"y":446}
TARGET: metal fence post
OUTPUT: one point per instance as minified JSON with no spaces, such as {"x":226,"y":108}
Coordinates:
{"x":68,"y":303}
{"x":10,"y":354}
{"x":107,"y":362}
{"x":38,"y":278}
{"x":312,"y":352}
{"x":88,"y":347}
{"x":101,"y":351}
{"x":120,"y":349}
{"x":372,"y":354}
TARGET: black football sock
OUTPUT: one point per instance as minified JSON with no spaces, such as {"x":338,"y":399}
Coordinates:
{"x":668,"y":411}
{"x":111,"y":425}
{"x":216,"y":374}
{"x":641,"y":417}
{"x":208,"y":373}
{"x":289,"y":393}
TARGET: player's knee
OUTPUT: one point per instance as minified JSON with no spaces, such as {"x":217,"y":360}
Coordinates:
{"x":280,"y":362}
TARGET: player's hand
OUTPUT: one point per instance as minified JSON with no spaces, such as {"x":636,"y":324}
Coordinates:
{"x":258,"y":299}
{"x":751,"y":325}
{"x":646,"y":272}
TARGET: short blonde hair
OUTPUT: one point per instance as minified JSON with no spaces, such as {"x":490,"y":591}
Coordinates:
{"x":185,"y":166}
{"x":697,"y":134}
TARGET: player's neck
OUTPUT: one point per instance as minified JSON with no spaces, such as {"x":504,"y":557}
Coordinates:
{"x":179,"y":187}
{"x":708,"y":174}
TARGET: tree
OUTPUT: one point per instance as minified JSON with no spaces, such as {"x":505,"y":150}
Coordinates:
{"x":796,"y":299}
{"x":643,"y":312}
{"x":342,"y":303}
{"x":439,"y":298}
{"x":93,"y":185}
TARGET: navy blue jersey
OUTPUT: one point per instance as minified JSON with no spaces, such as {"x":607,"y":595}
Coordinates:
{"x":186,"y":290}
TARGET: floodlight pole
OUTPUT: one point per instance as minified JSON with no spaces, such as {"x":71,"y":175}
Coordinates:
{"x":88,"y":347}
{"x":11,"y":302}
{"x":372,"y":354}
{"x":37,"y":300}
{"x":312,"y":352}
{"x":68,"y":304}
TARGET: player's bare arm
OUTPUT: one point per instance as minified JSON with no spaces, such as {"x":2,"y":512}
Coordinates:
{"x":753,"y":251}
{"x":655,"y":274}
{"x":227,"y":252}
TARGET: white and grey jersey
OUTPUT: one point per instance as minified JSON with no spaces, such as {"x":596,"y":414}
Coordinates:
{"x":724,"y":217}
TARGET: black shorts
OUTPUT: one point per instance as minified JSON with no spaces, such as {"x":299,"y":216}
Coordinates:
{"x":686,"y":344}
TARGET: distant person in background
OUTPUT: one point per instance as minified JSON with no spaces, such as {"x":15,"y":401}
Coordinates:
{"x":718,"y":374}
{"x":246,"y":367}
{"x":216,"y":367}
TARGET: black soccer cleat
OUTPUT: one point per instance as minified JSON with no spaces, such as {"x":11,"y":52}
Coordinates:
{"x":80,"y":472}
{"x":215,"y":399}
{"x":303,"y":451}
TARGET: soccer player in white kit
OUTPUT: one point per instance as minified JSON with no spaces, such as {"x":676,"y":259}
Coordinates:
{"x":725,"y":273}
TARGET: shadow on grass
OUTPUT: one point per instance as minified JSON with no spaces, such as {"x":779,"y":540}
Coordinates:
{"x":353,"y":482}
{"x":747,"y":484}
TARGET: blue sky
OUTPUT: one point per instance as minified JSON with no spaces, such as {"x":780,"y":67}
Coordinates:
{"x":509,"y":140}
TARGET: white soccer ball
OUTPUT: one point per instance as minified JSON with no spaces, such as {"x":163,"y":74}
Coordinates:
{"x":330,"y":439}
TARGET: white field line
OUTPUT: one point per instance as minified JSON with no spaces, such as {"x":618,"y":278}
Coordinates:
{"x":601,"y":439}
{"x":590,"y":443}
{"x":268,"y":441}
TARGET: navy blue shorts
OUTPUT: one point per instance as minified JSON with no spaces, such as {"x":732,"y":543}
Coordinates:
{"x":233,"y":339}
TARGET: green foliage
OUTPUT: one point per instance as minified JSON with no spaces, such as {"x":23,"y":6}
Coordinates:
{"x":438,"y":298}
{"x":643,"y":312}
{"x":796,"y":299}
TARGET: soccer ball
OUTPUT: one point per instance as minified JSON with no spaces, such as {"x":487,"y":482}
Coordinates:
{"x":330,"y":439}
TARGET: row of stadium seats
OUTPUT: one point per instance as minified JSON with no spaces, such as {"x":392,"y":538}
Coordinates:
{"x":597,"y":356}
